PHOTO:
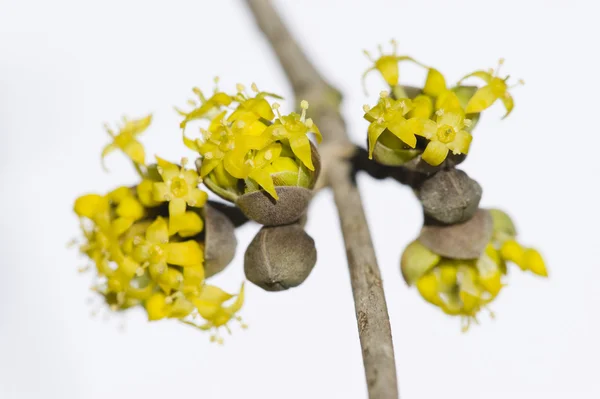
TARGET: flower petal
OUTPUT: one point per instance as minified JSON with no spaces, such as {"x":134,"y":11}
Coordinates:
{"x":428,"y":287}
{"x":435,"y":83}
{"x":435,"y":153}
{"x":484,"y":75}
{"x":373,"y":132}
{"x":187,"y":225}
{"x":187,"y":253}
{"x":160,"y":192}
{"x":264,"y":179}
{"x":130,"y":208}
{"x":176,"y":207}
{"x":509,"y":103}
{"x":301,"y":148}
{"x":534,"y":262}
{"x":156,"y":306}
{"x":461,"y":142}
{"x":135,"y":150}
{"x":89,"y":205}
{"x":482,"y":99}
{"x":158,"y":232}
{"x":196,"y":198}
{"x":405,"y":130}
{"x":387,"y":65}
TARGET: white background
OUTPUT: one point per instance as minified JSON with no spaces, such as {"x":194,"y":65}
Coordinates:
{"x":68,"y":66}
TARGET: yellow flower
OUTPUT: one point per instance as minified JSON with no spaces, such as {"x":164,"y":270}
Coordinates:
{"x":210,"y":305}
{"x":257,"y":106}
{"x":207,"y":107}
{"x":389,"y":114}
{"x":496,"y":89}
{"x":156,"y":252}
{"x":180,"y":187}
{"x":387,"y":65}
{"x":294,"y":128}
{"x":447,"y":134}
{"x":126,"y":141}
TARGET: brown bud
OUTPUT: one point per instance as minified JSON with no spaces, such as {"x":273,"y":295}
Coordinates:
{"x":280,"y":257}
{"x":262,"y":208}
{"x":219,"y":241}
{"x":450,"y":196}
{"x":460,"y":241}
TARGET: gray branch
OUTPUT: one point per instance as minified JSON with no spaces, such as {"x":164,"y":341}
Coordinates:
{"x":369,"y":299}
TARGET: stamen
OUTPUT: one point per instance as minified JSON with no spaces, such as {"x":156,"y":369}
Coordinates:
{"x":384,"y":94}
{"x":275,"y":107}
{"x":394,"y":46}
{"x":240,"y":88}
{"x":366,"y":108}
{"x":268,"y":155}
{"x":254,"y":87}
{"x":304,"y":106}
{"x":208,"y":155}
{"x":500,"y":63}
{"x":365,"y":52}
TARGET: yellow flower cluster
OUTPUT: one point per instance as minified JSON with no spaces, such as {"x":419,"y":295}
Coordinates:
{"x":465,"y":287}
{"x":146,"y":241}
{"x":248,"y":145}
{"x":444,"y":116}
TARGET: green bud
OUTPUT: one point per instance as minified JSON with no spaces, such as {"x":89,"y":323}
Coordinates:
{"x":416,"y":261}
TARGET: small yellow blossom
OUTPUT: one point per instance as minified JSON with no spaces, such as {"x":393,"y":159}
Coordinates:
{"x":445,"y":135}
{"x":295,"y":128}
{"x":496,"y":89}
{"x":210,"y":305}
{"x":180,"y":188}
{"x":389,"y":114}
{"x":387,"y":65}
{"x":126,"y":140}
{"x":207,"y":108}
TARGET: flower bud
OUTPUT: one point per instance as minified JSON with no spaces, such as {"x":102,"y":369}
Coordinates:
{"x":280,"y":257}
{"x":459,"y":241}
{"x":219,"y":241}
{"x":417,"y":260}
{"x":450,"y":196}
{"x":262,"y":208}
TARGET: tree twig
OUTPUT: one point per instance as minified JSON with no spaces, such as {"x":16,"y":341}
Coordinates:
{"x":369,"y":300}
